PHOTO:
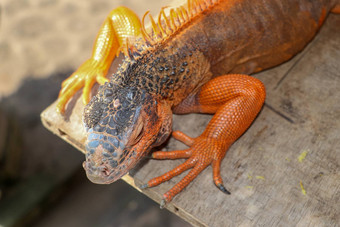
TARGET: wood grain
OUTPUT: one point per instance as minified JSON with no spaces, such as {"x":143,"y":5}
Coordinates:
{"x":262,"y":171}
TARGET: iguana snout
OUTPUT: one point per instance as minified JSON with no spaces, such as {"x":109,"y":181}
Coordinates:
{"x":122,"y":126}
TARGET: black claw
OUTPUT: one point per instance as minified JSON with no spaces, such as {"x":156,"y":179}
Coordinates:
{"x":223,"y":189}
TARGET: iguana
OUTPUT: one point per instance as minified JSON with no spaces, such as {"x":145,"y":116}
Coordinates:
{"x":188,"y":61}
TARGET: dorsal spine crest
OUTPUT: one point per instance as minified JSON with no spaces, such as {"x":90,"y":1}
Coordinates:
{"x":177,"y":18}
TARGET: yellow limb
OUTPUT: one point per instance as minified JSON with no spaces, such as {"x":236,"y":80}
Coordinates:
{"x":121,"y":25}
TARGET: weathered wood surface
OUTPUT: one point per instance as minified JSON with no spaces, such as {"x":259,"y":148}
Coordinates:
{"x":262,"y":171}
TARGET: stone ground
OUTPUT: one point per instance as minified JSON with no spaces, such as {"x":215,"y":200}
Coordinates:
{"x":41,"y":43}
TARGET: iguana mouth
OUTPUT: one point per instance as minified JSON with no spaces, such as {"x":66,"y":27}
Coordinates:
{"x":98,"y":175}
{"x":103,"y":168}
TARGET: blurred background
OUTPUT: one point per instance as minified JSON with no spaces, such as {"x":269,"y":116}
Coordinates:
{"x":41,"y":179}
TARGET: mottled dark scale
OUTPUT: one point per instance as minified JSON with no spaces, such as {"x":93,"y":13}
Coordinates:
{"x":121,"y":117}
{"x":108,"y":92}
{"x":92,"y":113}
{"x":136,"y":54}
{"x":99,"y":128}
{"x":94,"y":136}
{"x":121,"y":145}
{"x":131,"y":95}
{"x":185,"y":63}
{"x":112,"y":123}
{"x":173,"y":73}
{"x":161,"y":69}
{"x":112,"y":111}
{"x":111,"y":131}
{"x":166,"y":68}
{"x":108,"y":147}
{"x":108,"y":100}
{"x":93,"y":144}
{"x":117,"y":173}
{"x":165,"y":79}
{"x":182,"y":70}
{"x":125,"y":104}
{"x":104,"y":107}
{"x":89,"y":150}
{"x":113,"y":163}
{"x":105,"y":154}
{"x":104,"y":121}
{"x":113,"y":141}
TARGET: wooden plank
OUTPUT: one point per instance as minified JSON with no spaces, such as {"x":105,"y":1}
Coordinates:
{"x":261,"y":169}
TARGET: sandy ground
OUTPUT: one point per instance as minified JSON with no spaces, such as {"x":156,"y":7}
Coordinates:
{"x":41,"y":43}
{"x":38,"y":38}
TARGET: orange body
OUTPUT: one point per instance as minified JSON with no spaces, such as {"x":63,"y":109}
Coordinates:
{"x":186,"y":62}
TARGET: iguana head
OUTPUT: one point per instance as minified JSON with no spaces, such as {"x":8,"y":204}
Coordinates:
{"x":123,"y":123}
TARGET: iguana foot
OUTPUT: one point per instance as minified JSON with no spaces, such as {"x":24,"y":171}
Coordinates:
{"x":236,"y":100}
{"x":203,"y":152}
{"x":121,"y":25}
{"x":86,"y":76}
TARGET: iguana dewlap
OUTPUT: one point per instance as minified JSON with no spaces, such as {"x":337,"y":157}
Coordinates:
{"x":194,"y":59}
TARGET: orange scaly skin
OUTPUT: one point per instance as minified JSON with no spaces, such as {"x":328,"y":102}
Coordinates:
{"x":231,"y":98}
{"x":192,"y":60}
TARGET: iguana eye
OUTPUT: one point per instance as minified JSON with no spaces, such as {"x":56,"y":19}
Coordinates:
{"x":137,"y":134}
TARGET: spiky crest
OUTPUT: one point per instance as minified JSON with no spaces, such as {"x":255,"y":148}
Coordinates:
{"x":178,"y":17}
{"x":167,"y":25}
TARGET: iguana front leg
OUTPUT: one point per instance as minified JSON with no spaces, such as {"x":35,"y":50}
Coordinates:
{"x":235,"y":100}
{"x":121,"y":24}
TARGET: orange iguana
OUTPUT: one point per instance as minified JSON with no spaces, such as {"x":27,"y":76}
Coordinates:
{"x":186,"y":62}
